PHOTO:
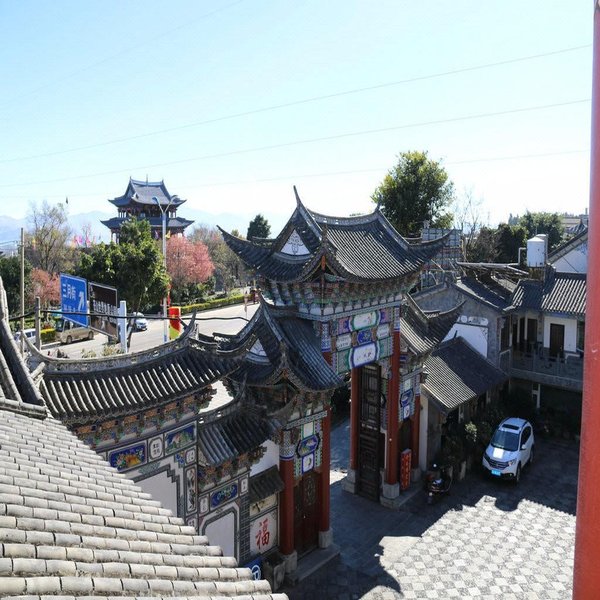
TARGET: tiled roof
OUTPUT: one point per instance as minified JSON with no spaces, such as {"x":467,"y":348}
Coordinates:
{"x":71,"y":526}
{"x":265,"y":484}
{"x":563,"y":293}
{"x":225,"y":437}
{"x":363,"y":248}
{"x":493,"y":292}
{"x":79,"y":391}
{"x":288,"y":346}
{"x":422,"y":331}
{"x":155,"y":222}
{"x":142,"y":192}
{"x":457,"y":373}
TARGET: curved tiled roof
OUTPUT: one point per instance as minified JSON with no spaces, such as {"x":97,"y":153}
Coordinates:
{"x":563,"y":293}
{"x":71,"y":526}
{"x":288,"y":344}
{"x":362,"y":248}
{"x":155,"y":222}
{"x":142,"y":192}
{"x":79,"y":391}
{"x":457,"y":373}
{"x":423,"y":331}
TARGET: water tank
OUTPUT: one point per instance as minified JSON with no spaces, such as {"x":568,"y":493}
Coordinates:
{"x":536,"y":251}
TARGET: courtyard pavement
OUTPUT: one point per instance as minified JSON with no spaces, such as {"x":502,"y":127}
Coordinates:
{"x":488,"y":539}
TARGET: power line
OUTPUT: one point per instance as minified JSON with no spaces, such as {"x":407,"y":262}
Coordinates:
{"x":293,"y":103}
{"x":151,"y":39}
{"x":307,"y":141}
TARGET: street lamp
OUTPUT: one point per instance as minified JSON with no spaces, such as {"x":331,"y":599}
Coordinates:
{"x":163,"y":212}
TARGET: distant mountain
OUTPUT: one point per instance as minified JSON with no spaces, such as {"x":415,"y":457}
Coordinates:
{"x":10,"y":228}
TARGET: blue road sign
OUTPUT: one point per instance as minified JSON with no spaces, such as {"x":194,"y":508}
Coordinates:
{"x":73,"y":298}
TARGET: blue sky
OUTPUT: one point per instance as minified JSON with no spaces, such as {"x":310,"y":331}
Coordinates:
{"x":233,"y":102}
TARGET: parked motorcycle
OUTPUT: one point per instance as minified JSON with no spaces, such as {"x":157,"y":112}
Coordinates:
{"x":438,"y":482}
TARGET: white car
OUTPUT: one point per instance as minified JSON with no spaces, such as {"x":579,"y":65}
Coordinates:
{"x":140,"y":322}
{"x":511,"y":448}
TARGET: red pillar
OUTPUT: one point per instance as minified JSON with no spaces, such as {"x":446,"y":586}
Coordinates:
{"x":586,"y":575}
{"x":325,"y":471}
{"x":354,"y":416}
{"x":391,"y":446}
{"x":286,"y":507}
{"x":416,"y":432}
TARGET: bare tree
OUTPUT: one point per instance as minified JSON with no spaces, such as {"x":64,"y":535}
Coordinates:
{"x":48,"y":236}
{"x":468,"y":218}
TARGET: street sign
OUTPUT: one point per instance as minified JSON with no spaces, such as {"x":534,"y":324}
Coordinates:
{"x":104,"y":300}
{"x":73,"y":299}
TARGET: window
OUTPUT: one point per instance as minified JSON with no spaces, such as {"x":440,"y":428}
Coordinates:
{"x":525,"y":435}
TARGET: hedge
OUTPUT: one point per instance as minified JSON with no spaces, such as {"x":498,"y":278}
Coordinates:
{"x":215,"y":303}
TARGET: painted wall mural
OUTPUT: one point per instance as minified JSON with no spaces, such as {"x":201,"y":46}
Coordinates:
{"x":128,"y":458}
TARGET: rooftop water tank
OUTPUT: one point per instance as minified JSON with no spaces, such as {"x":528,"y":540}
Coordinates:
{"x":536,"y":251}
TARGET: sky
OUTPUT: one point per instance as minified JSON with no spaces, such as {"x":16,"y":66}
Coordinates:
{"x":233,"y":102}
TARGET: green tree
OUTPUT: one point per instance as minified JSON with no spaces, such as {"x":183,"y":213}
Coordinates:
{"x":509,"y":238}
{"x":10,"y":272}
{"x":483,"y":247}
{"x":544,"y":222}
{"x":258,"y":228}
{"x":416,"y":189}
{"x":134,"y":266}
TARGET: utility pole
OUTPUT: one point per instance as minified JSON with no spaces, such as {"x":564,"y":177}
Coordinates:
{"x":22,"y":290}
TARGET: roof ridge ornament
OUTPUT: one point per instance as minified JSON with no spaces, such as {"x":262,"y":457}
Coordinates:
{"x":298,"y":201}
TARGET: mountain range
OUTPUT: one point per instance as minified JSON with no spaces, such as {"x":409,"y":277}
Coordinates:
{"x":10,"y":228}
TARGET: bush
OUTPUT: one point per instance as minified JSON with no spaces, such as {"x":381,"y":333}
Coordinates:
{"x":215,"y":303}
{"x":48,"y":335}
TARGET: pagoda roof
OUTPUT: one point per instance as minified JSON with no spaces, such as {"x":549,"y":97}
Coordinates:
{"x":64,"y":500}
{"x":281,"y":346}
{"x":155,"y":222}
{"x":84,"y":390}
{"x":424,"y":331}
{"x":142,"y":192}
{"x":360,"y":248}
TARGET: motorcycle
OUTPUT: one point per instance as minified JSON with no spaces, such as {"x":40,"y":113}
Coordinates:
{"x":438,"y":482}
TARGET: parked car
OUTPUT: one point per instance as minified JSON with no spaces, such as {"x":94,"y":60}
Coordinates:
{"x":140,"y":323}
{"x":29,"y":334}
{"x":511,"y":448}
{"x":67,"y":332}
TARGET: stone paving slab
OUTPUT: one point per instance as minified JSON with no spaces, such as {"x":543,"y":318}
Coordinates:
{"x":487,"y":539}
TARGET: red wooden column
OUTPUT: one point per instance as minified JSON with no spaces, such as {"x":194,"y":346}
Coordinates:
{"x":354,"y":416}
{"x":416,"y":432}
{"x":391,"y":446}
{"x":286,"y":507}
{"x":586,"y":575}
{"x":324,"y":518}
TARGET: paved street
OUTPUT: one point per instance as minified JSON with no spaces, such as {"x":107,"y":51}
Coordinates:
{"x":488,"y":539}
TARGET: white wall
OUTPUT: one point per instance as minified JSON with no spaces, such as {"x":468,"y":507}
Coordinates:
{"x":476,"y":335}
{"x":162,"y":488}
{"x":573,"y":262}
{"x":570,"y":332}
{"x":271,"y":458}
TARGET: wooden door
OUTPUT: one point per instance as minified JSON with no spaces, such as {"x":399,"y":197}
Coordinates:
{"x":531,"y":334}
{"x":369,"y":453}
{"x":306,"y":513}
{"x":557,"y":339}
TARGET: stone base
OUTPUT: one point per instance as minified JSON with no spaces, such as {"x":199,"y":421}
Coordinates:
{"x":325,"y":538}
{"x":391,"y":490}
{"x":290,"y":561}
{"x":349,"y":482}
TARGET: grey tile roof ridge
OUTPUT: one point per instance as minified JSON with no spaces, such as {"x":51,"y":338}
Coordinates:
{"x":53,"y":545}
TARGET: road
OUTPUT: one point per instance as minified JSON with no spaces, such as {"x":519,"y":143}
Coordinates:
{"x":229,"y":319}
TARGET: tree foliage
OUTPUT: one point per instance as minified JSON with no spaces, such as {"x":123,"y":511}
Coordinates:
{"x":188,"y":262}
{"x":416,"y":189}
{"x":509,"y":238}
{"x":46,"y":286}
{"x":10,"y":272}
{"x":544,"y":222}
{"x":258,"y":228}
{"x":134,"y":266}
{"x":48,"y":237}
{"x":229,"y":270}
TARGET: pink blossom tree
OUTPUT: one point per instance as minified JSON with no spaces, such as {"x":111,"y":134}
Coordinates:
{"x":46,"y":286}
{"x":188,"y":263}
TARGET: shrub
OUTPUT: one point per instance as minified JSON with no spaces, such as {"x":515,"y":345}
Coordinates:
{"x":48,"y":335}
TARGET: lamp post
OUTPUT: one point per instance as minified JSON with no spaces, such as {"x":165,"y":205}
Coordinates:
{"x":163,"y":212}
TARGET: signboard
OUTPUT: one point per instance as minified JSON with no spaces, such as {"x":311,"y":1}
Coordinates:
{"x":263,"y":533}
{"x":73,"y":299}
{"x":103,"y":300}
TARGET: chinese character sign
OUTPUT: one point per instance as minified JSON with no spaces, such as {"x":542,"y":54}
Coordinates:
{"x":263,"y":533}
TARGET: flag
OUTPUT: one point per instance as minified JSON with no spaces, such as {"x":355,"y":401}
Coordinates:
{"x":156,"y":234}
{"x":168,"y":234}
